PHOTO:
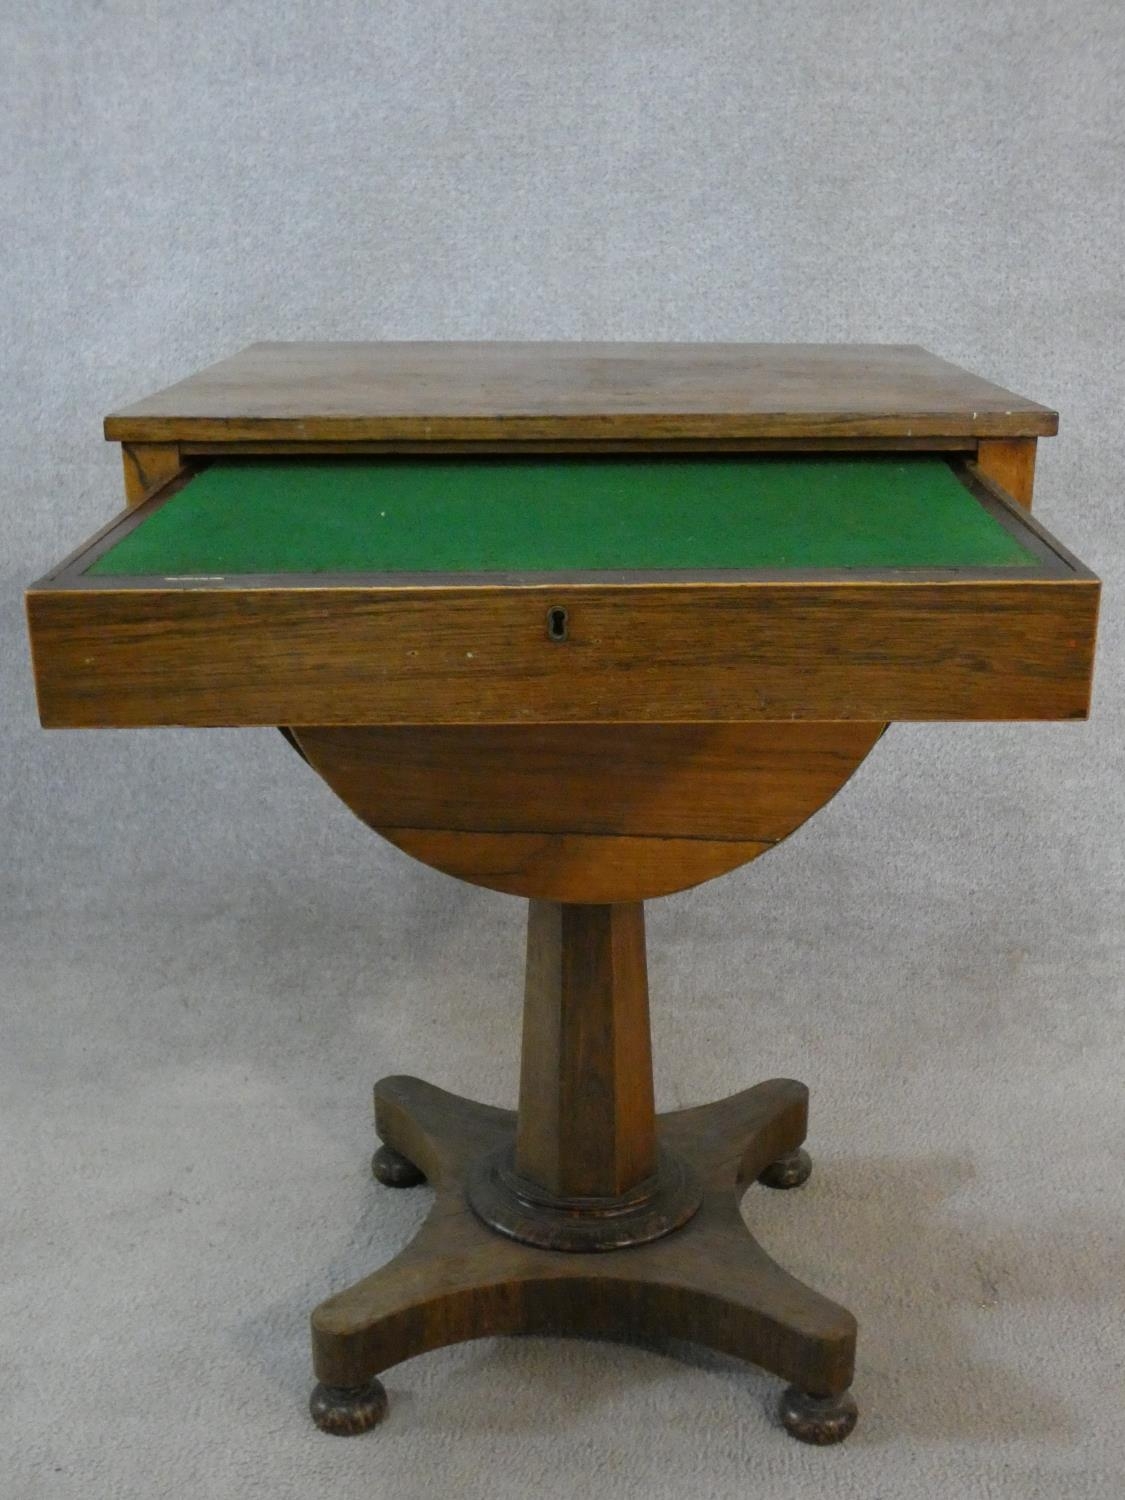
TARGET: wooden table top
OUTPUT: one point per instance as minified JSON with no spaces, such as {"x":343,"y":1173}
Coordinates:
{"x":470,"y":392}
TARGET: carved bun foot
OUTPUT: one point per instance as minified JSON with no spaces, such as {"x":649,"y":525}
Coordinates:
{"x":788,"y":1171}
{"x":395,"y":1170}
{"x":817,"y":1419}
{"x":345,"y":1411}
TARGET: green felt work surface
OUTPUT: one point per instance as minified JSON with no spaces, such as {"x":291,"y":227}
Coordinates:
{"x":521,"y":515}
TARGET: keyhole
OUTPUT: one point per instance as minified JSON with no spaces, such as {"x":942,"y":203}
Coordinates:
{"x":556,"y":624}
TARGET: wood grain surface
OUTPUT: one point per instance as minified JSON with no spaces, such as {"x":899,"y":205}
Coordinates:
{"x":709,"y":1282}
{"x":698,"y":781}
{"x":574,"y":866}
{"x":1011,"y":463}
{"x":433,"y":392}
{"x":148,"y":467}
{"x":865,"y":650}
{"x":586,"y":1120}
{"x":587,"y":812}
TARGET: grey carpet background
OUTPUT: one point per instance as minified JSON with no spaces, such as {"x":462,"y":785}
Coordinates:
{"x":205,"y":961}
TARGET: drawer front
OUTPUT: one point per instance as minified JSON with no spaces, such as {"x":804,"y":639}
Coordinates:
{"x":718,"y":645}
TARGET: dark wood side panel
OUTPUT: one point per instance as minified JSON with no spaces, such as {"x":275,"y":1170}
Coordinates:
{"x":979,"y":649}
{"x":148,"y":467}
{"x":1010,"y":462}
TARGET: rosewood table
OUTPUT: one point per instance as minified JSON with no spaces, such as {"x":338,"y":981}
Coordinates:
{"x":588,"y":624}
